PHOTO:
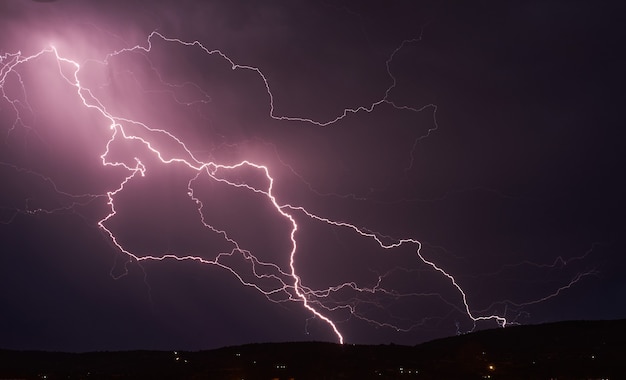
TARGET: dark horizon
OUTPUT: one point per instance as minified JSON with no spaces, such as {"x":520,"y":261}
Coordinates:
{"x":225,"y":173}
{"x":554,"y":327}
{"x":564,"y":350}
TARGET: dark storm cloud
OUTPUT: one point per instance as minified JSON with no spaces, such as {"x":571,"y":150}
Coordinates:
{"x":517,"y":192}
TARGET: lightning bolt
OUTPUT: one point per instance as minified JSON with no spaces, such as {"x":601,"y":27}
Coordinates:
{"x":276,"y":282}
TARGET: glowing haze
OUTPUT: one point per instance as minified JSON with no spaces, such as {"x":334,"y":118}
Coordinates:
{"x":263,"y":178}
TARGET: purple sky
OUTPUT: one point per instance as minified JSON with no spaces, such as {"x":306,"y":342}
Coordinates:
{"x":448,"y":168}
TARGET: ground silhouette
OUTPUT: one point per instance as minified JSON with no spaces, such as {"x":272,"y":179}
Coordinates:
{"x":563,"y":350}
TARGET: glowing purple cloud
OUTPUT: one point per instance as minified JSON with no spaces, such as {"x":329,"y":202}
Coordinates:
{"x":145,"y":141}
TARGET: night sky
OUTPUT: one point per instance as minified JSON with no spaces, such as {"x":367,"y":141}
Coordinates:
{"x":449,"y":167}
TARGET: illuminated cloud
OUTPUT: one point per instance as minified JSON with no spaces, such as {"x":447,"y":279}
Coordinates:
{"x":238,"y":174}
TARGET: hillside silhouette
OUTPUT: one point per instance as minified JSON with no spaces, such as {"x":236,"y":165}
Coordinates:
{"x":563,"y":350}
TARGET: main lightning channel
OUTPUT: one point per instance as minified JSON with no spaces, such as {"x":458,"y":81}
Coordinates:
{"x":209,"y":167}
